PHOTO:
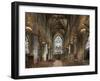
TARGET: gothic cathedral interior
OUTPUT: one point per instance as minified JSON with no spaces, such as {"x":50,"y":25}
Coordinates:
{"x":56,"y":40}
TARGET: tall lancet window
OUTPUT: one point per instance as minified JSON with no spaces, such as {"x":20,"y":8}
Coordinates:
{"x":58,"y":45}
{"x":27,"y":44}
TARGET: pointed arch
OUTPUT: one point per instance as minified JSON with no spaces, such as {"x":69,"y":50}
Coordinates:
{"x":58,"y":44}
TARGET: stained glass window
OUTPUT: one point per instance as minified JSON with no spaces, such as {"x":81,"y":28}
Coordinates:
{"x":58,"y":45}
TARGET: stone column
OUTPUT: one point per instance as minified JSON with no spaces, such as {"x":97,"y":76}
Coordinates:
{"x":82,"y":47}
{"x":45,"y":52}
{"x":27,"y":45}
{"x":35,"y":49}
{"x":75,"y":48}
{"x":69,"y":49}
{"x":48,"y":53}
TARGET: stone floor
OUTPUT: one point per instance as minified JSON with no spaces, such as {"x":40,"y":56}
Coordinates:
{"x":64,"y":61}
